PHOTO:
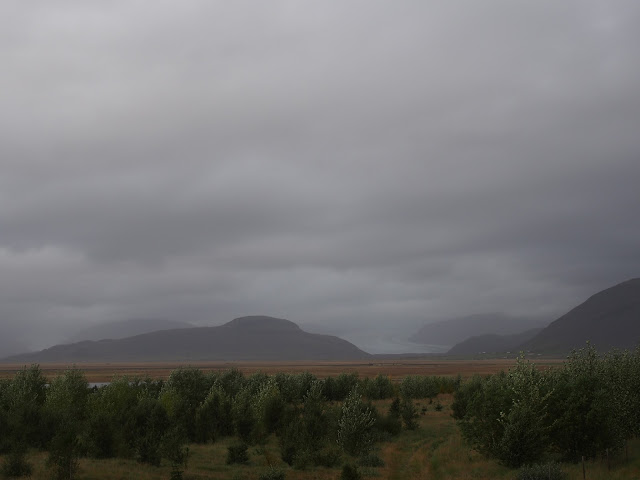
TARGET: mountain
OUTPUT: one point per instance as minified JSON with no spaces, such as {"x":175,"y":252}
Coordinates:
{"x":492,"y":343}
{"x":456,"y":330}
{"x":610,"y":318}
{"x":126,"y":328}
{"x":248,"y":338}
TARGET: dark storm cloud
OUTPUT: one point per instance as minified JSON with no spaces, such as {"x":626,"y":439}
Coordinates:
{"x":347,"y":164}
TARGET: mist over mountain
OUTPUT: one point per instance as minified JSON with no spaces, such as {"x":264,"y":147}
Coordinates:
{"x":492,"y":343}
{"x":453,"y":331}
{"x":126,"y":328}
{"x":608,"y":319}
{"x":246,"y":338}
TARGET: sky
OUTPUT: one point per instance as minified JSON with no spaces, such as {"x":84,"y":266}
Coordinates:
{"x":360,"y":167}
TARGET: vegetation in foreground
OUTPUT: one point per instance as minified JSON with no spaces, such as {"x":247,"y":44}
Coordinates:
{"x":227,"y":425}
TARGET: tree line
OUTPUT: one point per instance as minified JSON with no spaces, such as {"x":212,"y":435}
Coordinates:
{"x":316,"y":421}
{"x":588,"y":407}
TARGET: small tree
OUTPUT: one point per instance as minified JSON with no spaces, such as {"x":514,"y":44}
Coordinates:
{"x":355,"y":427}
{"x":66,"y":409}
{"x":409,"y":414}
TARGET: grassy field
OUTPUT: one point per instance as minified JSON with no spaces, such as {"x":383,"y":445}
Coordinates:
{"x":395,"y":369}
{"x":434,"y":451}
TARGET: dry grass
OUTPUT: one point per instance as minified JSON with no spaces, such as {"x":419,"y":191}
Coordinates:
{"x":395,"y":369}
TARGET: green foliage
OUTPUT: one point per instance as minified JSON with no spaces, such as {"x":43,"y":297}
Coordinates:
{"x":66,"y":410}
{"x":237,"y":454}
{"x":243,"y":415}
{"x":15,"y":464}
{"x":150,"y":424}
{"x":273,"y":473}
{"x":213,"y":416}
{"x":23,"y":399}
{"x":174,"y":450}
{"x":268,"y":406}
{"x":350,"y":472}
{"x":181,"y":396}
{"x":541,"y":471}
{"x":110,"y":427}
{"x":409,"y":414}
{"x":377,"y":388}
{"x":63,"y":455}
{"x":304,"y":436}
{"x":418,"y":386}
{"x":337,"y":388}
{"x":586,"y":422}
{"x":587,"y":407}
{"x":370,"y":460}
{"x":231,"y":382}
{"x":329,"y":456}
{"x":355,"y":427}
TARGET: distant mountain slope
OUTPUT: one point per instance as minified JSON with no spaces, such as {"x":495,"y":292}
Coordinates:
{"x":456,"y":330}
{"x":246,"y":338}
{"x":492,"y":343}
{"x":610,"y":318}
{"x":126,"y":328}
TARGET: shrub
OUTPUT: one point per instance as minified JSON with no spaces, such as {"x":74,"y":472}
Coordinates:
{"x":327,"y":457}
{"x":16,"y":465}
{"x":389,"y":425}
{"x":355,"y":427}
{"x":541,"y":471}
{"x":371,"y":460}
{"x":273,"y":474}
{"x":63,"y":455}
{"x":237,"y":454}
{"x":350,"y":472}
{"x":409,"y":414}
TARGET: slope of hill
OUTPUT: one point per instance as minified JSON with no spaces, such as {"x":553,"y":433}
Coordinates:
{"x":126,"y":328}
{"x":247,"y":338}
{"x":610,"y":318}
{"x":492,"y":343}
{"x":456,"y":330}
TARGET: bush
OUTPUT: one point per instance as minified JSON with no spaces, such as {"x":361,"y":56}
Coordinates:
{"x":327,"y":457}
{"x":237,"y":454}
{"x":273,"y":474}
{"x":350,"y":472}
{"x":371,"y":460}
{"x":355,"y":427}
{"x":16,"y":465}
{"x":408,"y":414}
{"x":541,"y":471}
{"x":390,"y":425}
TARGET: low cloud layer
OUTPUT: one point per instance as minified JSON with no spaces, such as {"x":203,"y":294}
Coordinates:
{"x":356,"y":166}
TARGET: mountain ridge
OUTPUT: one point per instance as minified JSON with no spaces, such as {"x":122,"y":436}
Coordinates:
{"x":452,"y":331}
{"x":608,"y":319}
{"x":246,"y":338}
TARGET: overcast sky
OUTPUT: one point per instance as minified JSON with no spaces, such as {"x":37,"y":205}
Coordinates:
{"x":351,"y":165}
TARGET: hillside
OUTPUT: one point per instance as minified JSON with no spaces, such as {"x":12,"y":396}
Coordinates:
{"x":492,"y":343}
{"x":610,"y":318}
{"x":126,"y":328}
{"x":248,"y":338}
{"x":453,"y":331}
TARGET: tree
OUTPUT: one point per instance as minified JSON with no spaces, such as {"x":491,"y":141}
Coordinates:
{"x":66,"y":409}
{"x":355,"y":427}
{"x":408,"y":413}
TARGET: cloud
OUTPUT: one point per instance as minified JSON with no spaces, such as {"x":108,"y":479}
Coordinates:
{"x":353,"y":165}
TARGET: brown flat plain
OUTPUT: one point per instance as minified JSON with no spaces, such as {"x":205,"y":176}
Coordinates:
{"x":395,"y":369}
